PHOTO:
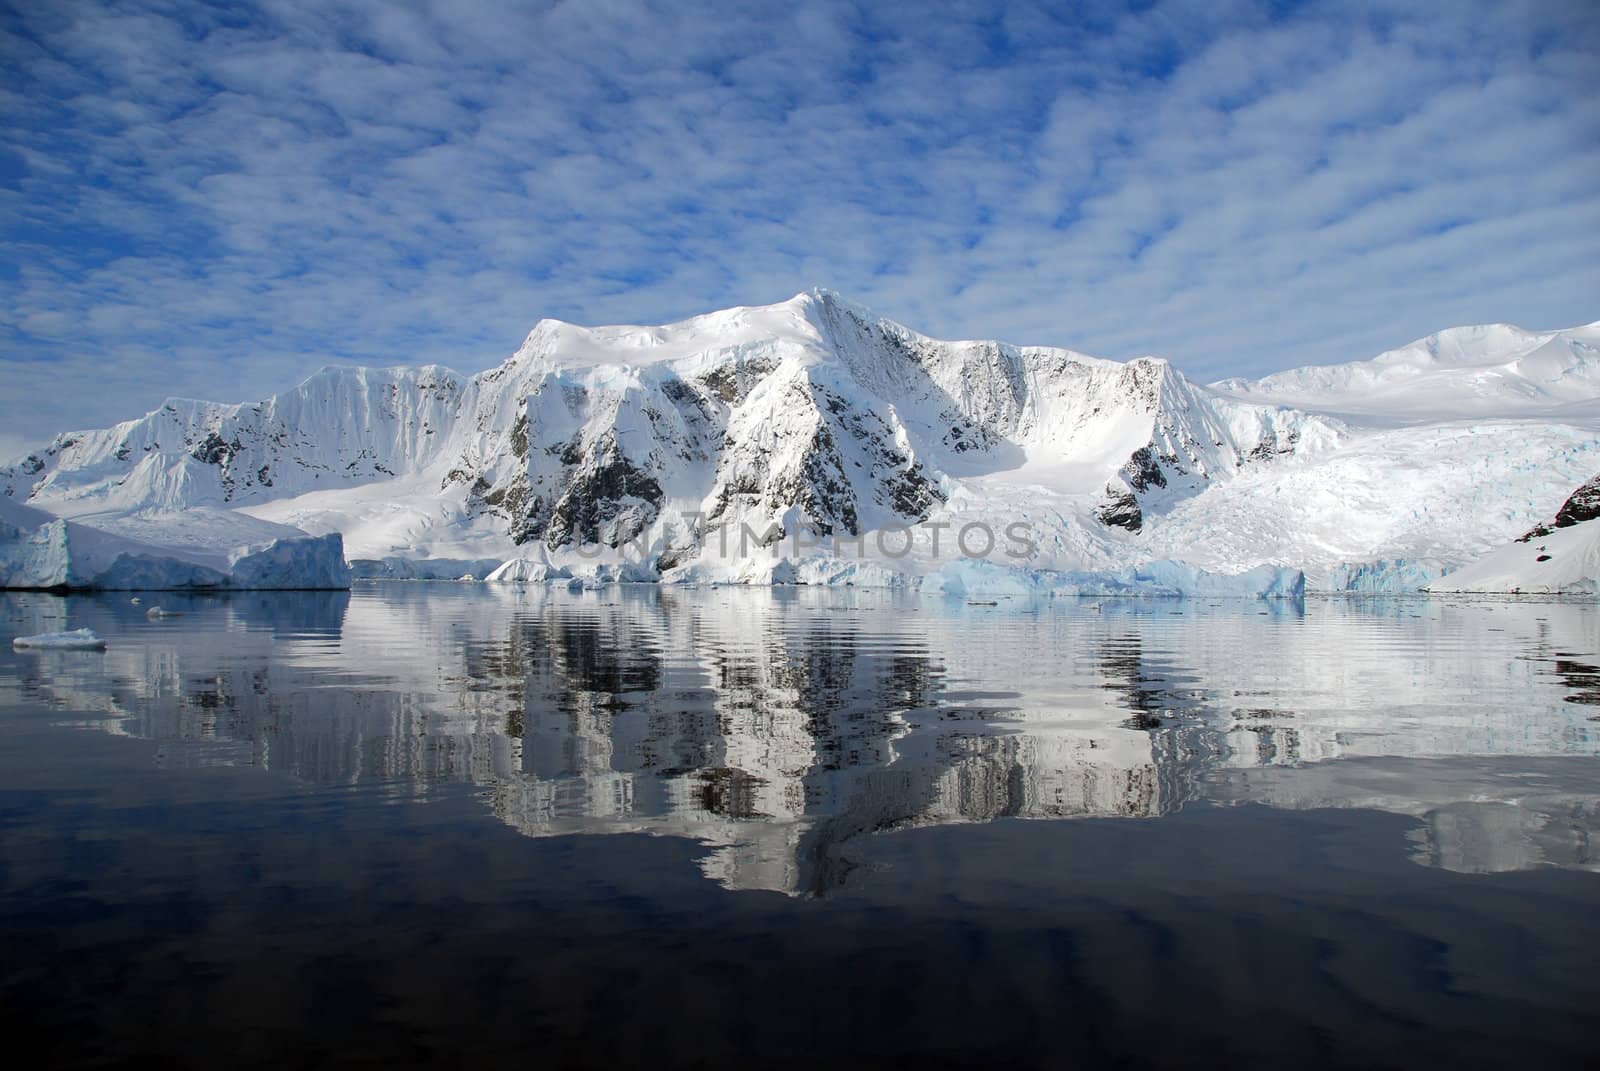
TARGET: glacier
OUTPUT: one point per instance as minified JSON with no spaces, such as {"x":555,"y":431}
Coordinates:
{"x":814,"y":442}
{"x":1379,"y":577}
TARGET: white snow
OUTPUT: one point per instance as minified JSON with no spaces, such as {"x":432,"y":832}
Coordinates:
{"x":1447,"y":492}
{"x":1494,"y":370}
{"x":813,"y":413}
{"x":1563,"y":562}
{"x":570,"y":344}
{"x":80,"y":639}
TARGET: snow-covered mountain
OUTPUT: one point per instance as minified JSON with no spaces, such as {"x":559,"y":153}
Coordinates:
{"x":729,"y":446}
{"x":1494,"y":370}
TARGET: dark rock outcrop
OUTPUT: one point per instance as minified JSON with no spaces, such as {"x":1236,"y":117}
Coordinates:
{"x":1582,"y":505}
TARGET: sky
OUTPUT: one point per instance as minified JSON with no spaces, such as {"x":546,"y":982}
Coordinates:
{"x":214,"y":201}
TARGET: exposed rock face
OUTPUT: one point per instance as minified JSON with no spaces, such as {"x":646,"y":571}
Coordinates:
{"x":606,"y":500}
{"x":1582,"y":505}
{"x":1121,"y":510}
{"x":1143,"y":471}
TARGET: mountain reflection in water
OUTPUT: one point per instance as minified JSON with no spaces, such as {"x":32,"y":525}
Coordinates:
{"x":778,"y":727}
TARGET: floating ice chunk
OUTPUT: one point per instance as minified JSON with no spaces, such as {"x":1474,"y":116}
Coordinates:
{"x":80,"y":639}
{"x":293,"y":563}
{"x":156,"y":613}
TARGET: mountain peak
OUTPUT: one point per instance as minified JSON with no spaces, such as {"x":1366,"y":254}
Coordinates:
{"x":576,"y":345}
{"x":816,"y":412}
{"x":1492,"y":369}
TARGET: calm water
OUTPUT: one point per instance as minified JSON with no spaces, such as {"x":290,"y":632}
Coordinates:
{"x":450,"y":824}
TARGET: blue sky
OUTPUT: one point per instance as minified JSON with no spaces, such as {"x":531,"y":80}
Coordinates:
{"x":214,"y":201}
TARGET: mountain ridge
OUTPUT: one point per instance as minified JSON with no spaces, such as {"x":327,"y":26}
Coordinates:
{"x":815,"y":414}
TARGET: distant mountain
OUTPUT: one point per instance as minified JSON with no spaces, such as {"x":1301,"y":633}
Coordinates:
{"x":1494,"y":370}
{"x":646,"y":446}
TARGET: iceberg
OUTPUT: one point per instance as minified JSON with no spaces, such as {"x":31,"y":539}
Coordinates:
{"x":79,"y":639}
{"x":157,"y":551}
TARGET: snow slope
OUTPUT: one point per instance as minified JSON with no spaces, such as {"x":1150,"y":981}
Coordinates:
{"x":1565,"y":562}
{"x":749,"y":444}
{"x":1561,"y":557}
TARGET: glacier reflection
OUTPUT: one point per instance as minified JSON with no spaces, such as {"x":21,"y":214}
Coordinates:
{"x":777,"y":727}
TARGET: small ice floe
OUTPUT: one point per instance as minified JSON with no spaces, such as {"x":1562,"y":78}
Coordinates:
{"x":80,"y":639}
{"x":135,"y":600}
{"x":156,"y":613}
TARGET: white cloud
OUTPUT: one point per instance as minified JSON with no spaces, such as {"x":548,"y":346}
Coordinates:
{"x":217,"y":208}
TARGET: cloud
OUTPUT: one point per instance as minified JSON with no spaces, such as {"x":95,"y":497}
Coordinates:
{"x":215,"y":203}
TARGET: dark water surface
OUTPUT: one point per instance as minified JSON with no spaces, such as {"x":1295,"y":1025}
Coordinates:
{"x":459,"y":825}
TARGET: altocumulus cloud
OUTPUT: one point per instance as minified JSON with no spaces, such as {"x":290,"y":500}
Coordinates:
{"x":215,"y":200}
